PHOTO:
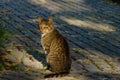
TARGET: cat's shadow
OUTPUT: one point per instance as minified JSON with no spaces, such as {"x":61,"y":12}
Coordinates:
{"x":40,"y":56}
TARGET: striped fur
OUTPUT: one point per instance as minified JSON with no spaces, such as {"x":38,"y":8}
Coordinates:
{"x":56,"y":48}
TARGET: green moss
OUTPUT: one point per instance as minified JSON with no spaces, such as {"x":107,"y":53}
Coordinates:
{"x":15,"y":67}
{"x":103,"y":79}
{"x":1,"y":65}
{"x":113,"y":1}
{"x":3,"y":34}
{"x":109,"y":0}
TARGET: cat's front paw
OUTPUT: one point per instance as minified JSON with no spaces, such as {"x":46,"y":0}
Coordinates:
{"x":48,"y":67}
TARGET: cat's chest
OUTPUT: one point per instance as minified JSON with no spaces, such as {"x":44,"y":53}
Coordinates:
{"x":43,"y":35}
{"x":45,"y":38}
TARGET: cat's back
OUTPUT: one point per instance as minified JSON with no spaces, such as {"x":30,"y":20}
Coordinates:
{"x":59,"y":42}
{"x":59,"y":55}
{"x":48,"y":38}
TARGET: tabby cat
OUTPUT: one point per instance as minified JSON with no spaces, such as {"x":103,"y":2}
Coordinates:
{"x":56,"y":49}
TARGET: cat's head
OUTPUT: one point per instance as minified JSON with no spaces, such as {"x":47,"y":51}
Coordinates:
{"x":45,"y":25}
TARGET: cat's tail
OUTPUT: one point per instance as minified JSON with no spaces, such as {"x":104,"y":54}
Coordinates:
{"x":61,"y":74}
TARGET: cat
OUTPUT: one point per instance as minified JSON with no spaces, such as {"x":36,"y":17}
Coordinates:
{"x":56,"y":49}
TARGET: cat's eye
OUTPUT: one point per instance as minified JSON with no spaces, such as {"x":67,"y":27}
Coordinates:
{"x":45,"y":27}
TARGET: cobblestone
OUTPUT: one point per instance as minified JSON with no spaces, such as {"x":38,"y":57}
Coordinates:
{"x":90,"y":26}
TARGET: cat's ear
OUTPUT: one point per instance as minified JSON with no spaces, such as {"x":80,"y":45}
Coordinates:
{"x":39,"y":19}
{"x":50,"y":20}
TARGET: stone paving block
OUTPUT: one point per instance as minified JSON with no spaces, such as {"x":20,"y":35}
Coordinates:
{"x":90,"y":67}
{"x":77,"y":68}
{"x":66,"y":30}
{"x":71,"y":45}
{"x":116,"y":67}
{"x":27,"y":34}
{"x":107,"y":39}
{"x":112,"y":65}
{"x":77,"y":56}
{"x":96,"y":35}
{"x":101,"y":63}
{"x":101,"y":55}
{"x":16,"y":18}
{"x":95,"y":45}
{"x":77,"y":43}
{"x":22,"y":75}
{"x":28,"y":8}
{"x":86,"y":62}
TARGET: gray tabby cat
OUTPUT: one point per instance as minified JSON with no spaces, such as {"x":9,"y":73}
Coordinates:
{"x":56,"y":49}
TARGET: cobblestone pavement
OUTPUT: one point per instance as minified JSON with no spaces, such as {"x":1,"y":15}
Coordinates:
{"x":92,"y":28}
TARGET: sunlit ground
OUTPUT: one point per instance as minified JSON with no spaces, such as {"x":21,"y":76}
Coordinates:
{"x":89,"y":24}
